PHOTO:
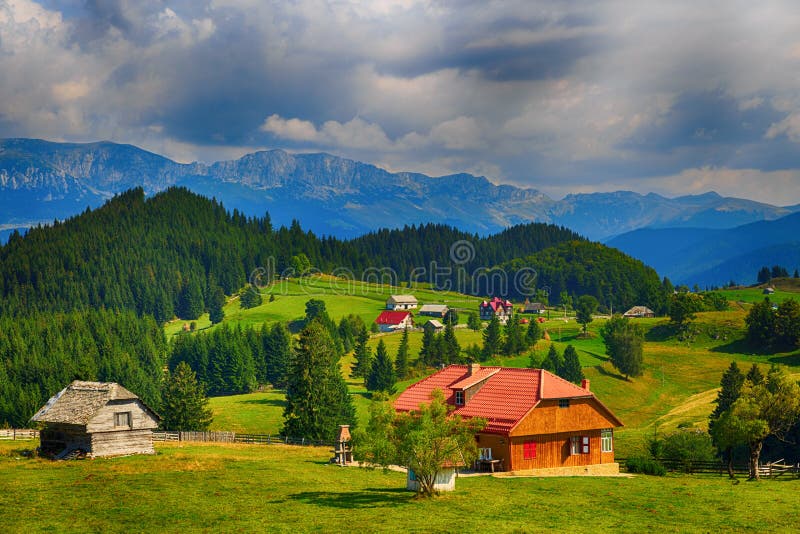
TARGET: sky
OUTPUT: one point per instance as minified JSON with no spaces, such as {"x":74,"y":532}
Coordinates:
{"x":564,"y":97}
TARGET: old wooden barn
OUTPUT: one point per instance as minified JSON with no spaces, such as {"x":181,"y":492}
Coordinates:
{"x":98,"y":418}
{"x":535,"y":419}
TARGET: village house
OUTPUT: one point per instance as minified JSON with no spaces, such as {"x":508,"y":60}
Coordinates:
{"x":535,"y":419}
{"x":502,"y":309}
{"x":533,"y":307}
{"x":401,"y":302}
{"x":639,"y":312}
{"x":98,"y":418}
{"x":434,"y":310}
{"x":392,"y":321}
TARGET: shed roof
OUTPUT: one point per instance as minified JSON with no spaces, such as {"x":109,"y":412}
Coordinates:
{"x":506,"y":397}
{"x":639,"y":310}
{"x":433,"y":308}
{"x":77,"y":403}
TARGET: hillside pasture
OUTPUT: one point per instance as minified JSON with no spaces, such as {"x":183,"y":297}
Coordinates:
{"x":234,"y":488}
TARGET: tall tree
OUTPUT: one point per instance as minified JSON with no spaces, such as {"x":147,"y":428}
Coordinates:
{"x":770,"y":408}
{"x":492,"y":341}
{"x":424,"y":441}
{"x":317,"y":400}
{"x":249,"y":297}
{"x":533,"y":334}
{"x":277,"y":354}
{"x":787,"y":324}
{"x":382,"y":376}
{"x":730,"y":389}
{"x":427,"y":352}
{"x":216,"y":302}
{"x":514,"y":341}
{"x":682,"y":307}
{"x":754,"y":375}
{"x":572,"y":370}
{"x":584,"y":309}
{"x":553,"y":362}
{"x":624,"y":342}
{"x":185,"y":406}
{"x":764,"y":275}
{"x":401,"y":360}
{"x":760,"y":321}
{"x":362,"y":356}
{"x":190,"y":302}
{"x":451,"y":350}
{"x":474,"y":322}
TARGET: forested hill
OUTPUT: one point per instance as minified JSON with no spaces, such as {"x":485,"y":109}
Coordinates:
{"x":148,"y":254}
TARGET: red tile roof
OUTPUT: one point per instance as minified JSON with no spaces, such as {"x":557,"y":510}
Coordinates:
{"x":504,"y":400}
{"x":392,"y":317}
{"x":497,"y":303}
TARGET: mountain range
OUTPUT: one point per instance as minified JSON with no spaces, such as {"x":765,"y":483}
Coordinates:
{"x":41,"y":181}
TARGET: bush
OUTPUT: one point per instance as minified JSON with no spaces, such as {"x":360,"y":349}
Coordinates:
{"x":645,"y":466}
{"x":689,"y":447}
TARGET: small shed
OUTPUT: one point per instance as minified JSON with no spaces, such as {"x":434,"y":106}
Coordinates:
{"x":445,"y":480}
{"x":434,"y":325}
{"x":98,"y":418}
{"x":768,"y":290}
{"x":534,"y":307}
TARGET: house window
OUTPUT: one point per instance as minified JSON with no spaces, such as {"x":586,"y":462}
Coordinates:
{"x":575,"y":445}
{"x":563,"y":403}
{"x":529,"y":450}
{"x":579,"y":445}
{"x":122,"y":419}
{"x":606,"y":440}
{"x":460,"y":398}
{"x":485,"y":453}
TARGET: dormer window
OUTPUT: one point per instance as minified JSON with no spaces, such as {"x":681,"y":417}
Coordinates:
{"x":459,"y":398}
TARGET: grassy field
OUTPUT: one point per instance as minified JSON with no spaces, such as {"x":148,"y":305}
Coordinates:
{"x":227,"y":488}
{"x":342,"y":297}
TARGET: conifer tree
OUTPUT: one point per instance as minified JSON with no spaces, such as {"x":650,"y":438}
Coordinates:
{"x":533,"y":334}
{"x":317,"y":400}
{"x":451,"y":350}
{"x":190,"y":303}
{"x":572,"y":370}
{"x":730,"y":390}
{"x":382,"y":376}
{"x":514,"y":341}
{"x":401,"y":361}
{"x":553,"y":362}
{"x":362,"y":356}
{"x":249,"y":297}
{"x":277,"y":354}
{"x":215,"y":304}
{"x":754,"y":375}
{"x":624,"y":341}
{"x":184,"y":405}
{"x":492,"y":341}
{"x":427,"y":352}
{"x":474,"y":322}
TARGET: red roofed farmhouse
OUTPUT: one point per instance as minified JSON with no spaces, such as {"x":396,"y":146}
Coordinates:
{"x":535,"y":419}
{"x":390,"y":321}
{"x":498,"y":307}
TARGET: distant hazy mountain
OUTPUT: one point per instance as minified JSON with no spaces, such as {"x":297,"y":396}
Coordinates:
{"x":41,"y":181}
{"x":714,"y":257}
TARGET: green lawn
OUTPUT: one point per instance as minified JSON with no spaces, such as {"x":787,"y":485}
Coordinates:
{"x":227,"y":488}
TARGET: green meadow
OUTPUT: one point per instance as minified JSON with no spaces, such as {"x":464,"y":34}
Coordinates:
{"x":238,"y":488}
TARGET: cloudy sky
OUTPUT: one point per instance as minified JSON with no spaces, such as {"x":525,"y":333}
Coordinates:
{"x":672,"y":97}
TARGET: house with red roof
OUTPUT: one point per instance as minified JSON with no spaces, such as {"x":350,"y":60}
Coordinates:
{"x":502,"y":309}
{"x":535,"y":419}
{"x":392,"y":321}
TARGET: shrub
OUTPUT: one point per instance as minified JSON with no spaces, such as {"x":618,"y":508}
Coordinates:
{"x":645,"y":466}
{"x":689,"y":447}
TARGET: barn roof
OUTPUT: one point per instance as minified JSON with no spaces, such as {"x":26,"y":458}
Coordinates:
{"x":77,"y":403}
{"x":402,"y":299}
{"x":392,"y":317}
{"x":433,"y":308}
{"x":505,"y":398}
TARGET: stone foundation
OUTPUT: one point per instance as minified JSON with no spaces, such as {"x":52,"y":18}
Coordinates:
{"x":596,"y":470}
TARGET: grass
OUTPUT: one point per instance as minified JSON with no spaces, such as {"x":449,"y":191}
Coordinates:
{"x":226,"y":488}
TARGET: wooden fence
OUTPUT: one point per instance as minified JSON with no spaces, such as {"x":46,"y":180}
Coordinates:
{"x":18,"y":433}
{"x":773,"y":469}
{"x":232,"y":437}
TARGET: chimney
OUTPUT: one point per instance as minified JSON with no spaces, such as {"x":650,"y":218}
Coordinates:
{"x":585,"y":384}
{"x":474,"y":368}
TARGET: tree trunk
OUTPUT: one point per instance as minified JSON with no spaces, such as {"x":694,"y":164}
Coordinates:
{"x":755,"y":454}
{"x":729,"y":456}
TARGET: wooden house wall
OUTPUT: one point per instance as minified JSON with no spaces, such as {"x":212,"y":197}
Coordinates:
{"x":554,"y":450}
{"x":103,"y":421}
{"x":548,"y":418}
{"x":122,"y":442}
{"x":500,"y":446}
